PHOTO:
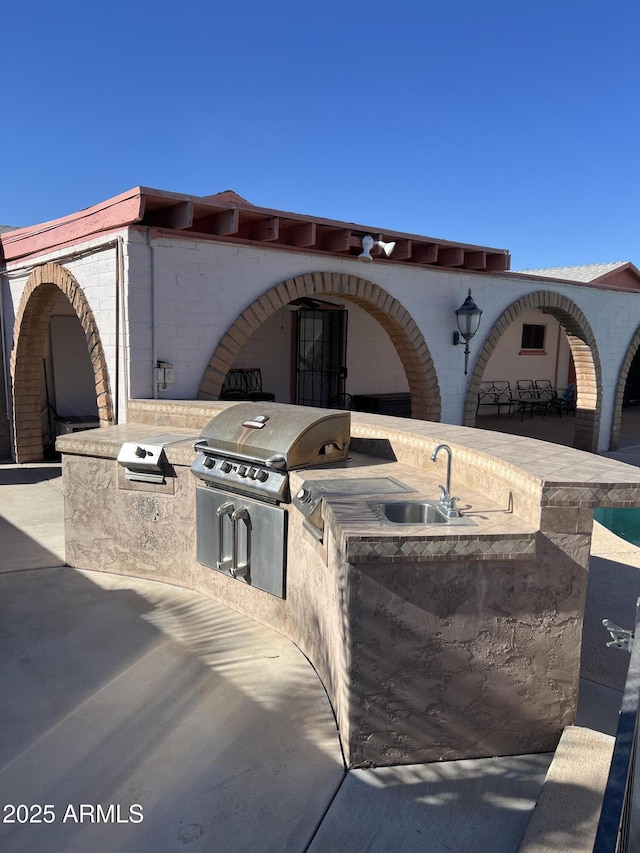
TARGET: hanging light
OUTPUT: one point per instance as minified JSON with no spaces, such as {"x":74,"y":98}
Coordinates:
{"x":468,"y":319}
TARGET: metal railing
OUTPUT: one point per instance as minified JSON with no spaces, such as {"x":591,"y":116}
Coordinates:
{"x":619,"y":825}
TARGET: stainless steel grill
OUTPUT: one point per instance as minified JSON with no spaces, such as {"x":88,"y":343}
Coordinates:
{"x":244,"y":457}
{"x":251,"y":447}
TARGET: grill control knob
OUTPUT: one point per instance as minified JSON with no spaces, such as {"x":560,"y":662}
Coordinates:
{"x":242,"y":470}
{"x":140,"y":452}
{"x":209,"y":462}
{"x":225,"y":467}
{"x":262,"y":476}
{"x":304,"y":495}
{"x":252,"y":473}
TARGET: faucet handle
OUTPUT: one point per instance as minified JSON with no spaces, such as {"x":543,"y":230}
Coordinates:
{"x":450,"y":508}
{"x":444,"y":497}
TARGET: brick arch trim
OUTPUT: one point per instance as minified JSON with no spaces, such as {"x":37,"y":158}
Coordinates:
{"x":584,"y":350}
{"x":623,"y":375}
{"x":390,"y":314}
{"x":30,"y":329}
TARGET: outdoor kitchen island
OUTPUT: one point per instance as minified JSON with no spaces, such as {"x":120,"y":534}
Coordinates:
{"x":433,"y":641}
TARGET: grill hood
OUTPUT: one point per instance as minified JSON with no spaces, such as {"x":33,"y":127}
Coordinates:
{"x":293,"y":436}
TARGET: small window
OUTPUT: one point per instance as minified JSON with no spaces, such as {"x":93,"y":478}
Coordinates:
{"x":533,"y":336}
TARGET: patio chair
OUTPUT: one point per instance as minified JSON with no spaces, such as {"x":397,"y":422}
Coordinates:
{"x":566,"y":402}
{"x":495,"y":394}
{"x":253,"y":384}
{"x":527,"y":399}
{"x":546,"y":394}
{"x":234,"y":386}
{"x":244,"y":384}
{"x":341,"y":401}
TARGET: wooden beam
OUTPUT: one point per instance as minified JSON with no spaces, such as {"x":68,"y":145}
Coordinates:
{"x":424,"y":253}
{"x":303,"y":235}
{"x":402,"y":251}
{"x":177,"y":216}
{"x":337,"y":241}
{"x":451,"y":257}
{"x":499,"y":262}
{"x":222,"y":223}
{"x":266,"y":230}
{"x":475,"y":260}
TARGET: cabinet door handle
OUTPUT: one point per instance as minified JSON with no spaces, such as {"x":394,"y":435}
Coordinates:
{"x":241,"y":571}
{"x":225,"y":509}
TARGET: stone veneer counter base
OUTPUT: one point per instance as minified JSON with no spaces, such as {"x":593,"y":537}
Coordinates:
{"x":433,"y":642}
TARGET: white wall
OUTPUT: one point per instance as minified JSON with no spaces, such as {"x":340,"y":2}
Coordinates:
{"x":93,"y":264}
{"x":200,"y":288}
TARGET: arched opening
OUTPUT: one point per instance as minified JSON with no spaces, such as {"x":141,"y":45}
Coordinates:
{"x":584,"y":355}
{"x":51,"y":376}
{"x":400,"y":328}
{"x":626,"y":405}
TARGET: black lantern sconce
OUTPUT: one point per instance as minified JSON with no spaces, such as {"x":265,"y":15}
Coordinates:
{"x":468,"y":318}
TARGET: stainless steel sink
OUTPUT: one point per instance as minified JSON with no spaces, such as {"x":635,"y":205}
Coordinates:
{"x":415,"y":512}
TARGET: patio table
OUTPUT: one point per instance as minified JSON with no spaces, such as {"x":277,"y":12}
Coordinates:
{"x":537,"y":402}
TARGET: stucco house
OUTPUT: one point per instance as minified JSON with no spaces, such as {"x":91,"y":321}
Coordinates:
{"x":154,"y":294}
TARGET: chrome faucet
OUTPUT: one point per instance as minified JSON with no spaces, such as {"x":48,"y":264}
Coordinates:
{"x":447,"y":503}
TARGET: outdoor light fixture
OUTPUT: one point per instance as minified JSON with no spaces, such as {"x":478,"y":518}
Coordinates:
{"x":468,"y":319}
{"x":368,"y":243}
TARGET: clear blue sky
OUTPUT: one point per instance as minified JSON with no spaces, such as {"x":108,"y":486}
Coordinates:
{"x":504,"y":123}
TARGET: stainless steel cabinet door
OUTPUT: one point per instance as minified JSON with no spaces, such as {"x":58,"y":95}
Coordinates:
{"x":242,"y":538}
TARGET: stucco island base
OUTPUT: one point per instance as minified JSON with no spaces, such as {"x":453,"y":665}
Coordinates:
{"x":432,"y":644}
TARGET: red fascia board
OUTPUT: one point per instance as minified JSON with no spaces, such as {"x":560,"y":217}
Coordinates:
{"x":269,"y":212}
{"x":117,"y":212}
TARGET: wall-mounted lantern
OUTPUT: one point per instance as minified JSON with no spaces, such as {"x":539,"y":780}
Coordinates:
{"x":468,"y":318}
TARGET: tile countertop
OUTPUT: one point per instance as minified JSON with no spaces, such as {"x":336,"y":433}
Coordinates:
{"x":496,"y":534}
{"x":549,"y":475}
{"x":540,"y":461}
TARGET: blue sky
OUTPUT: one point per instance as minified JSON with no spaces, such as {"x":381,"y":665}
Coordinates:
{"x":507,"y":124}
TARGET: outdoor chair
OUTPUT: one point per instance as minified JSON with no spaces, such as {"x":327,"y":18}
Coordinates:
{"x":244,"y":384}
{"x":341,"y":401}
{"x":527,"y":399}
{"x":234,"y":386}
{"x":566,"y":402}
{"x":546,"y":394}
{"x":495,"y":394}
{"x":253,"y":381}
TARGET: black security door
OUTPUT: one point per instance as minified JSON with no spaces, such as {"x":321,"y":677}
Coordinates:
{"x":321,"y":356}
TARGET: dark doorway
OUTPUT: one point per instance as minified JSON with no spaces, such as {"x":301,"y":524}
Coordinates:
{"x":321,"y":352}
{"x":632,"y":388}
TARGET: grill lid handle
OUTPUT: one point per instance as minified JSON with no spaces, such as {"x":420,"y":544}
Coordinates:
{"x":258,"y":422}
{"x":278,"y":463}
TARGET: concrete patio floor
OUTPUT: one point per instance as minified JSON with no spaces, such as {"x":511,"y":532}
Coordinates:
{"x":119,"y":691}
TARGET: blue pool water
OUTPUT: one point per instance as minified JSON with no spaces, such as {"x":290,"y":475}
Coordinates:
{"x":625,"y":523}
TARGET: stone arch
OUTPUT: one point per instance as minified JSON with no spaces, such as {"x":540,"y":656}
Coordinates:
{"x":623,"y":375}
{"x":29,"y":337}
{"x":389,"y":313}
{"x":585,"y":356}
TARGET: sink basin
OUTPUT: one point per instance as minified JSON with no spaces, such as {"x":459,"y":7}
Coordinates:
{"x":415,"y":512}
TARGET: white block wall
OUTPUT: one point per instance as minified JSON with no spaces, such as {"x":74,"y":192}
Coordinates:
{"x":96,"y":275}
{"x":200,"y":288}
